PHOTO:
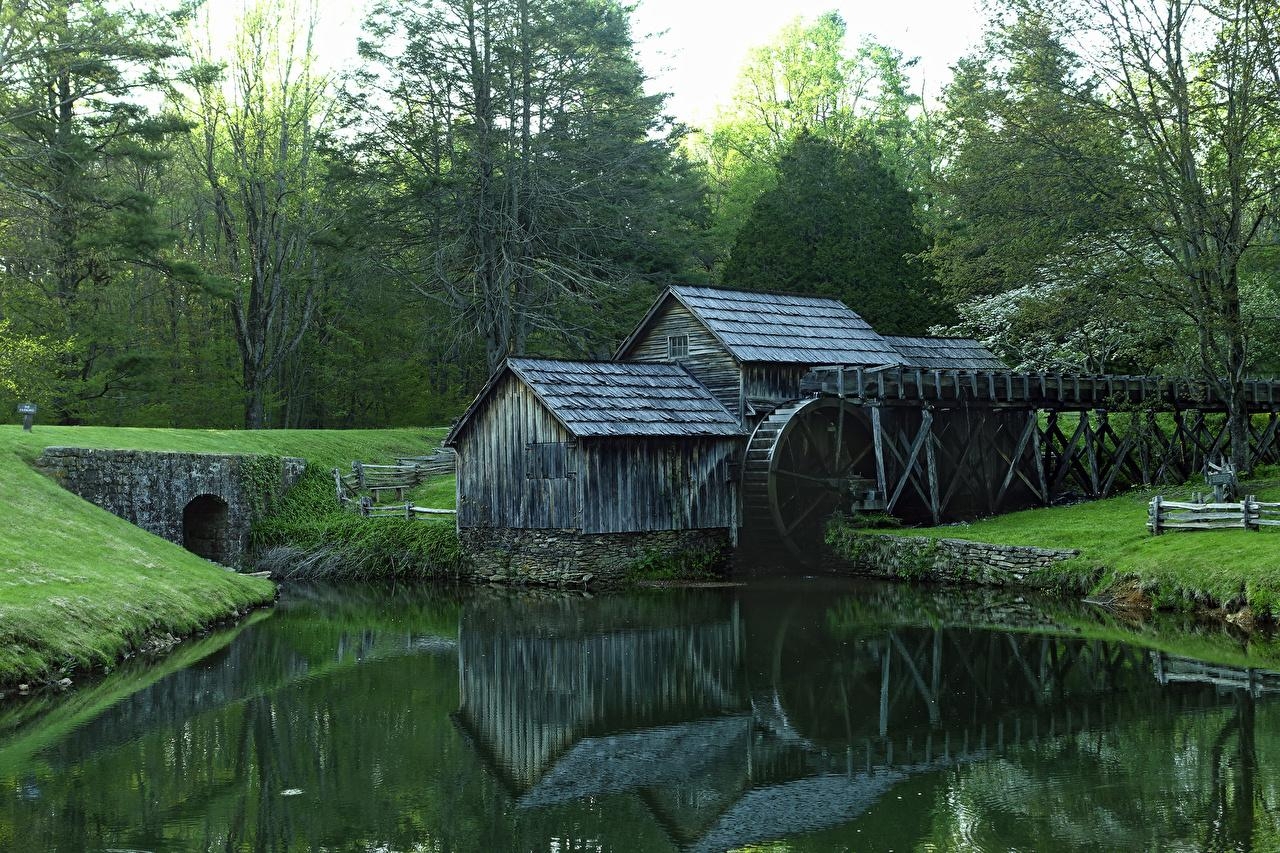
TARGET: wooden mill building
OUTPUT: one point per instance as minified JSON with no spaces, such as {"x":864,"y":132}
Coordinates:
{"x":752,"y":350}
{"x":731,"y":415}
{"x":595,"y":447}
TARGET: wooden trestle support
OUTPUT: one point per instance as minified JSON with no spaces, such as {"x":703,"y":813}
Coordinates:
{"x":943,"y":445}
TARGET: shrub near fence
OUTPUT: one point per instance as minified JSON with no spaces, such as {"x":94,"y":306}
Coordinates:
{"x":1248,"y":514}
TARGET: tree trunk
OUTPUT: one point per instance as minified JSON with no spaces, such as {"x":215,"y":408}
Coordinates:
{"x":255,"y":387}
{"x":1238,"y":429}
{"x":254,"y":409}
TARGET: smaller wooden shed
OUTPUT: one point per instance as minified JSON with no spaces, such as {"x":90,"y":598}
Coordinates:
{"x":565,"y":449}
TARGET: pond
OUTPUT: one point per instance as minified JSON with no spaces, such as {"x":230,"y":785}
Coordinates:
{"x":799,"y":714}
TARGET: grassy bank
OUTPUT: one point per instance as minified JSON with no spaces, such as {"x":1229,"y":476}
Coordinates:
{"x":1217,"y":569}
{"x":328,"y":448}
{"x":80,"y":587}
{"x":310,"y":537}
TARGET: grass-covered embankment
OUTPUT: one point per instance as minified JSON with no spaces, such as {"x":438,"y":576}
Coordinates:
{"x":310,"y":537}
{"x":80,"y":587}
{"x":1206,"y":570}
{"x":327,"y":448}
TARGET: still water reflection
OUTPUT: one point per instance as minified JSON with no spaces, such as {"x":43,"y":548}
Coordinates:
{"x":798,"y":715}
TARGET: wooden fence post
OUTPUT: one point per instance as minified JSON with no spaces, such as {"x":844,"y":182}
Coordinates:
{"x":337,"y":479}
{"x":408,"y":510}
{"x":1154,"y":521}
{"x":1244,"y":512}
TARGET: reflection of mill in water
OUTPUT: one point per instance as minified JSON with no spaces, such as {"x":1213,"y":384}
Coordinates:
{"x":724,"y":736}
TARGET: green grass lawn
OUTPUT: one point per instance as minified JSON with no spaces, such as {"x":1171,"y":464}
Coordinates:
{"x":436,"y":493}
{"x":329,"y":448}
{"x":1178,"y":568}
{"x":79,"y":587}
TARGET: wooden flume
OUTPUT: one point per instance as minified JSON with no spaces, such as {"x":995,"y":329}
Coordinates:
{"x":943,"y":445}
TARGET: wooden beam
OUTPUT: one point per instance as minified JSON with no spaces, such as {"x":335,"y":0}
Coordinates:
{"x":1121,"y":459}
{"x":931,"y":461}
{"x":1116,"y":464}
{"x":962,"y":471}
{"x":957,"y":461}
{"x":1219,"y":440}
{"x":1195,"y":436}
{"x":1067,"y":461}
{"x":1158,"y":446}
{"x":1037,"y":454}
{"x":1146,"y":428}
{"x":1046,"y":391}
{"x":877,"y":439}
{"x":910,"y":463}
{"x":1091,"y":451}
{"x":1265,"y":444}
{"x":1027,"y":430}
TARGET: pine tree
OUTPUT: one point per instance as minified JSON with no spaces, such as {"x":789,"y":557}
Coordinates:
{"x":73,"y":139}
{"x":838,"y":224}
{"x":525,"y":170}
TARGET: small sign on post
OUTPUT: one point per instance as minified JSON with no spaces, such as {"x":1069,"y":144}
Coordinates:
{"x":28,"y":412}
{"x":1223,"y":479}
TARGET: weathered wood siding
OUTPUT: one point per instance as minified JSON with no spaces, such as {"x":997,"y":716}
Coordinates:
{"x":773,"y":383}
{"x":530,"y":688}
{"x":634,"y":485}
{"x":495,"y":486}
{"x":708,"y":360}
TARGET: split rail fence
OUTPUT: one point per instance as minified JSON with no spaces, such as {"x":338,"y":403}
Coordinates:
{"x":1248,"y":514}
{"x":366,"y":485}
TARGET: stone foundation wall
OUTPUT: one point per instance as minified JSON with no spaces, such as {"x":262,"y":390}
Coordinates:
{"x":571,"y":558}
{"x":949,"y":560}
{"x":152,"y":489}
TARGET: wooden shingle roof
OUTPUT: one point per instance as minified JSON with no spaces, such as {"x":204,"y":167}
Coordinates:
{"x":770,"y":327}
{"x":945,"y":353}
{"x":611,"y":398}
{"x":600,"y":399}
{"x":777,"y":328}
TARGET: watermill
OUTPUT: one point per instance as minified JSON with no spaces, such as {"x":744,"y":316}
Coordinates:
{"x":805,"y":461}
{"x":744,"y":419}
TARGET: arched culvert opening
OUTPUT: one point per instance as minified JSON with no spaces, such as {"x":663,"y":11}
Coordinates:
{"x":205,"y":528}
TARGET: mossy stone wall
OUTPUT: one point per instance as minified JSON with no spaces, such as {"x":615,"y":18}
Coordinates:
{"x":557,"y":557}
{"x":153,"y":489}
{"x":948,"y":560}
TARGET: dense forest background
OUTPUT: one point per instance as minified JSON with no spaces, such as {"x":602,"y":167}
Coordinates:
{"x":207,"y":235}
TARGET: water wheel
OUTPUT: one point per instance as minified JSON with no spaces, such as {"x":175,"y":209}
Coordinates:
{"x":804,"y":462}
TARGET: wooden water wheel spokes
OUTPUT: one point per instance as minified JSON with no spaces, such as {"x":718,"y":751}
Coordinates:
{"x":804,"y":462}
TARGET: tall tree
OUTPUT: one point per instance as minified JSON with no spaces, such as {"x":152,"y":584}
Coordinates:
{"x":807,"y":81}
{"x":838,"y":224}
{"x":1140,"y":136}
{"x":256,"y":149}
{"x":75,"y":229}
{"x":523,"y":164}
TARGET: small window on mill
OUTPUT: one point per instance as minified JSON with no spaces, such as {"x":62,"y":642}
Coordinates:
{"x":550,"y":460}
{"x":677,"y":347}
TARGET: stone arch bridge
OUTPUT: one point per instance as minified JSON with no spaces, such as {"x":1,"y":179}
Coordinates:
{"x":205,"y":502}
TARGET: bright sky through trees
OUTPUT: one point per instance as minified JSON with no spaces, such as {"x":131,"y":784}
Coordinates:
{"x":694,"y":49}
{"x":706,"y":41}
